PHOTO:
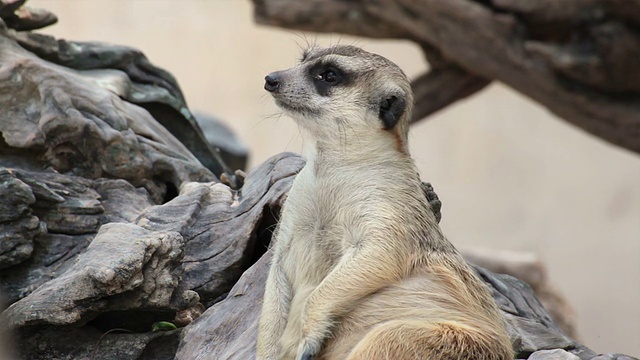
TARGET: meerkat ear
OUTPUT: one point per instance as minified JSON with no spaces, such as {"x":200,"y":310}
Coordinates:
{"x":391,"y":110}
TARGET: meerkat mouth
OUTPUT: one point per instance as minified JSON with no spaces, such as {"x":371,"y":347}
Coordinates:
{"x":295,"y":108}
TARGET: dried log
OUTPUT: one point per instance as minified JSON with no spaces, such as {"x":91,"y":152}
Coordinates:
{"x":87,"y":343}
{"x":218,"y":230}
{"x":68,"y":211}
{"x":442,"y":86}
{"x":128,"y":275}
{"x":229,"y":329}
{"x":577,"y":58}
{"x":17,"y":226}
{"x":132,"y":267}
{"x":127,"y":73}
{"x":21,"y":17}
{"x":225,"y":231}
{"x":72,"y":121}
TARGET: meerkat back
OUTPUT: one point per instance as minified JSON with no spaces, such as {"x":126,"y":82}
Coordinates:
{"x":360,"y":268}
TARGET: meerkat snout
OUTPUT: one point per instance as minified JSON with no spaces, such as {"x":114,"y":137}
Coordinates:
{"x":272,"y":82}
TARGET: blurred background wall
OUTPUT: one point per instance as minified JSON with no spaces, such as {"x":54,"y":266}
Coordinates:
{"x":510,"y":174}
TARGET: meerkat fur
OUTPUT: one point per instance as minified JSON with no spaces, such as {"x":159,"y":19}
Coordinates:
{"x":360,"y":268}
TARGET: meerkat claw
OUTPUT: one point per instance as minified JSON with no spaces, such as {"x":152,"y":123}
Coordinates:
{"x":307,"y":350}
{"x":308,"y":356}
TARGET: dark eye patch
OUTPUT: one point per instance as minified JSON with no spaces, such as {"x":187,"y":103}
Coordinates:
{"x":326,"y":75}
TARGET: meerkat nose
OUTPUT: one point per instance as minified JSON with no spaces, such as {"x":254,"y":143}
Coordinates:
{"x":271,"y":82}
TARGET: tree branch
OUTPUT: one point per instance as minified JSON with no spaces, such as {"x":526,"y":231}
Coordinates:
{"x":442,"y":86}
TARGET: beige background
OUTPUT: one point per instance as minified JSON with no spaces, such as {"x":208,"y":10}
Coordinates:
{"x":510,"y":174}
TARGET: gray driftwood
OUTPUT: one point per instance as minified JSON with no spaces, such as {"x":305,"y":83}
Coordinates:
{"x":578,"y":58}
{"x":109,"y":223}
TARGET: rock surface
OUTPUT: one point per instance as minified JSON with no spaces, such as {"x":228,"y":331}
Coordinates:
{"x":553,"y":355}
{"x":72,"y":121}
{"x":126,"y":72}
{"x":124,"y":268}
{"x":17,"y":226}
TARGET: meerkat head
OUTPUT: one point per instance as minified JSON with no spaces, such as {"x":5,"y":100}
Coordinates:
{"x":342,"y":90}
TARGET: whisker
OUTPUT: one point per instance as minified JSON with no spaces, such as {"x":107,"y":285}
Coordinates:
{"x":292,"y":138}
{"x":273,"y":118}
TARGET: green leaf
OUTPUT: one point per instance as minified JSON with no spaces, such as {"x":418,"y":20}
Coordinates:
{"x":162,"y":326}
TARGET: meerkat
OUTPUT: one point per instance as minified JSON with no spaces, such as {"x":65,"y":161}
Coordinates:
{"x":360,"y":267}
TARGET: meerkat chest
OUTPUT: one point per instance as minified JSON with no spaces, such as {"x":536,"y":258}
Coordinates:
{"x":325,"y":209}
{"x":319,"y":225}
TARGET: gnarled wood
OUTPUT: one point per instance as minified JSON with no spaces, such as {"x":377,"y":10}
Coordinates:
{"x":442,"y":86}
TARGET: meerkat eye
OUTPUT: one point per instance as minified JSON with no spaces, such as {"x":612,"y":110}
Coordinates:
{"x":329,"y":76}
{"x":326,"y":77}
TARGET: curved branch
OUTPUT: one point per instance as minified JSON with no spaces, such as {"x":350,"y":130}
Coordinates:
{"x":442,"y":86}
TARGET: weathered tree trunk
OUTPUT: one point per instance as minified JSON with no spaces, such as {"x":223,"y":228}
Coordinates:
{"x":579,"y":58}
{"x":110,"y":223}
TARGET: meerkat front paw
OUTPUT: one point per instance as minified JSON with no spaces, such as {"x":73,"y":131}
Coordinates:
{"x":311,"y":343}
{"x":307,"y":350}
